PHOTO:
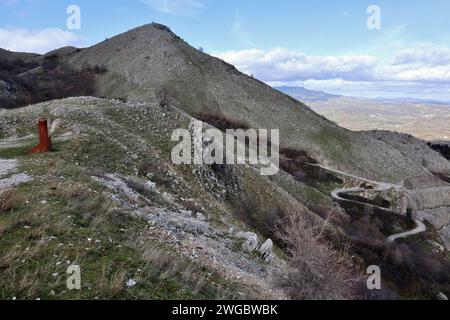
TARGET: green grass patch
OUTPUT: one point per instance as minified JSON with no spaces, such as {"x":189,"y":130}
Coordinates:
{"x":11,"y":153}
{"x":60,"y":222}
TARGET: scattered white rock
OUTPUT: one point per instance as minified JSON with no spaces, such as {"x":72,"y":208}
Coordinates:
{"x":55,"y":125}
{"x":437,"y":247}
{"x":266,"y":250}
{"x":131,"y":283}
{"x":151,"y":185}
{"x":200,"y":216}
{"x":168,"y":197}
{"x":7,"y":166}
{"x":442,"y":296}
{"x":251,"y":243}
{"x":14,"y":180}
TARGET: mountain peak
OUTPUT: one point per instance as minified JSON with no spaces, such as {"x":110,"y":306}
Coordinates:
{"x":150,"y":30}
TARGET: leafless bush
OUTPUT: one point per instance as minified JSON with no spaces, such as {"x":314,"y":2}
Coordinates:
{"x":9,"y":200}
{"x":192,"y":206}
{"x":5,"y":201}
{"x":74,"y":191}
{"x":221,"y":122}
{"x":164,"y":97}
{"x":148,"y":169}
{"x":316,"y":270}
{"x":54,"y":80}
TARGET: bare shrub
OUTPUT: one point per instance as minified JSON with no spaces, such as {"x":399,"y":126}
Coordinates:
{"x":5,"y":201}
{"x":54,"y":80}
{"x":74,"y":191}
{"x":164,"y":97}
{"x":191,"y":205}
{"x":150,"y":170}
{"x":316,"y":270}
{"x":441,"y":148}
{"x":99,"y":69}
{"x":221,"y":122}
{"x":10,"y":200}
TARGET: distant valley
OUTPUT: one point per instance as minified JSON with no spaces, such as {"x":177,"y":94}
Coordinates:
{"x":427,"y":120}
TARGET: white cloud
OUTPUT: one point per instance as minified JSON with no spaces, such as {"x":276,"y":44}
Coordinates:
{"x":423,"y":70}
{"x":430,"y":64}
{"x":37,"y":41}
{"x":176,"y":7}
{"x":287,"y":65}
{"x":424,"y":54}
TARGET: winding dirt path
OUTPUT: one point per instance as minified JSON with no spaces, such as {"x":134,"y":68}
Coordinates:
{"x":420,"y":227}
{"x":378,"y":186}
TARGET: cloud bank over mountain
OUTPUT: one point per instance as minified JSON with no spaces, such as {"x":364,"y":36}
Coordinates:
{"x":37,"y":41}
{"x":423,"y":70}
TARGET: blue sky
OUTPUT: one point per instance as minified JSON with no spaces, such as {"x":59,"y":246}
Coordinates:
{"x":322,"y":44}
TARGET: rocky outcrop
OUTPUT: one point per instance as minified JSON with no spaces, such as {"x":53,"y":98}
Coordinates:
{"x":252,"y":244}
{"x":251,"y":240}
{"x":266,"y":250}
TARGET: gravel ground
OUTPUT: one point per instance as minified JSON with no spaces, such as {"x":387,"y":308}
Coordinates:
{"x":8,"y":176}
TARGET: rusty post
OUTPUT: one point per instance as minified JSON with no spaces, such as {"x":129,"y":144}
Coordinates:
{"x":45,"y":142}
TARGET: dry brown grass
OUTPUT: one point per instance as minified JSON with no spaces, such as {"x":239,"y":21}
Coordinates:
{"x":20,"y":284}
{"x":26,"y":285}
{"x":74,"y":191}
{"x":111,"y":286}
{"x":7,"y":259}
{"x":168,"y":263}
{"x":38,"y":232}
{"x":172,"y":265}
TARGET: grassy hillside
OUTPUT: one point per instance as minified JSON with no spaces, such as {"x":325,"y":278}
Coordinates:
{"x":151,"y":57}
{"x":109,"y":199}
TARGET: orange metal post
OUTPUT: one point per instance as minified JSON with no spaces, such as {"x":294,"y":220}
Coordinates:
{"x":45,"y":142}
